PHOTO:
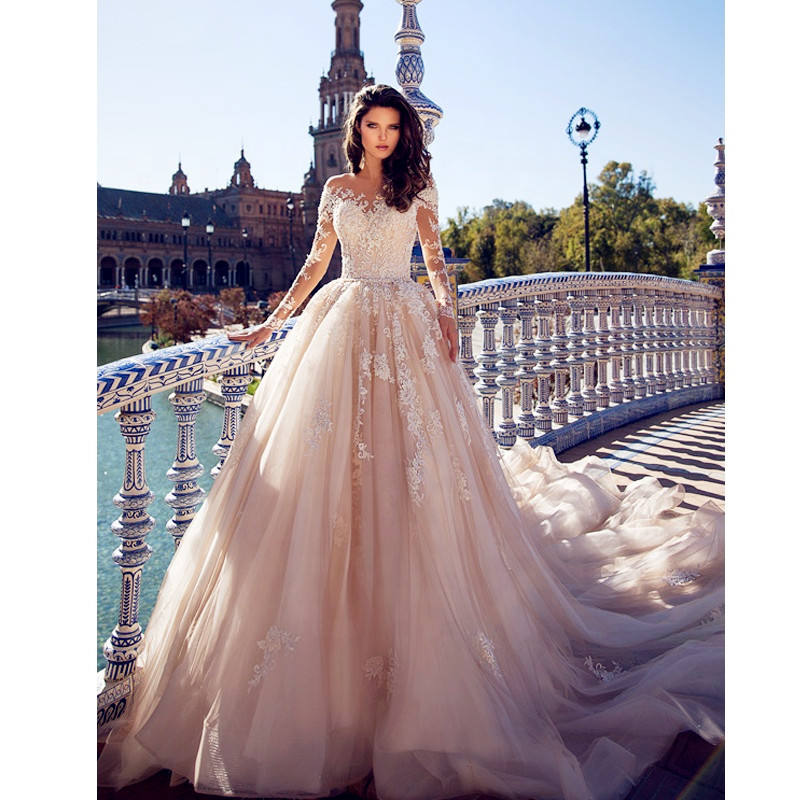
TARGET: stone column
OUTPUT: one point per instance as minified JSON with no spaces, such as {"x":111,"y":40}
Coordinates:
{"x":615,"y":339}
{"x":488,"y":372}
{"x":576,"y":351}
{"x":543,"y":368}
{"x":466,"y":324}
{"x":559,"y":363}
{"x":526,"y":361}
{"x":187,"y":495}
{"x":233,"y":384}
{"x":602,"y":338}
{"x":507,"y":381}
{"x":122,"y":648}
{"x":589,"y":354}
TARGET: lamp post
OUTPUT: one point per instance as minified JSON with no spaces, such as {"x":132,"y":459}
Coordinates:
{"x":290,"y":210}
{"x":582,"y":135}
{"x":186,"y":221}
{"x":209,"y":234}
{"x":246,"y":262}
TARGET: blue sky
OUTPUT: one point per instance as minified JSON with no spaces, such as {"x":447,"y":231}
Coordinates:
{"x":184,"y":79}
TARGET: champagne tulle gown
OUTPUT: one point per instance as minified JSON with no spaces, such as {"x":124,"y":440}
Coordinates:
{"x":371,"y":587}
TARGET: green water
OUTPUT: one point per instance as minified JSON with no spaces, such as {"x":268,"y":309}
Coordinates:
{"x":159,"y":454}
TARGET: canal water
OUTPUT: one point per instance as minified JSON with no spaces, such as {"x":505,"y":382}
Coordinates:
{"x":159,"y":455}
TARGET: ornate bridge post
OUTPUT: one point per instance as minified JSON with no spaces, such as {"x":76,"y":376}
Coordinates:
{"x":638,"y":336}
{"x":543,"y":368}
{"x":466,"y":324}
{"x":650,"y":344}
{"x":526,"y":361}
{"x":187,"y":495}
{"x":603,"y":337}
{"x":615,"y":340}
{"x":233,"y":383}
{"x":625,"y":338}
{"x":590,"y":353}
{"x":488,"y":372}
{"x":508,"y":381}
{"x":122,"y":648}
{"x":559,"y":363}
{"x":576,"y":349}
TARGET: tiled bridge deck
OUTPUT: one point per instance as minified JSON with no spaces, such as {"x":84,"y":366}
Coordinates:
{"x":685,"y":446}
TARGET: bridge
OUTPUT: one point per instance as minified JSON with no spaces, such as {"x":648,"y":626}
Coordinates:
{"x":626,"y":366}
{"x":108,"y":300}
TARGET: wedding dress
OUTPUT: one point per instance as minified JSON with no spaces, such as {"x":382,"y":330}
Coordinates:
{"x":371,"y":586}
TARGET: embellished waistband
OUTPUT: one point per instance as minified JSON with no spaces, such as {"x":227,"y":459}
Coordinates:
{"x":357,"y":279}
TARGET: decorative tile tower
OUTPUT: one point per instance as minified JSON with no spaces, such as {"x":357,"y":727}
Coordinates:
{"x":410,"y":69}
{"x":713,"y":271}
{"x":179,"y":184}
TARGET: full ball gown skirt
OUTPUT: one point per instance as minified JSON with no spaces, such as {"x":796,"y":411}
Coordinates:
{"x":371,"y":586}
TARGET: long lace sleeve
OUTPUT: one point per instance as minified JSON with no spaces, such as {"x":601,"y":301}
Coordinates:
{"x":316,"y":263}
{"x":431,"y":242}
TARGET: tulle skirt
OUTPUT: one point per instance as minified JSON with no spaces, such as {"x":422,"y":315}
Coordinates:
{"x":371,"y":586}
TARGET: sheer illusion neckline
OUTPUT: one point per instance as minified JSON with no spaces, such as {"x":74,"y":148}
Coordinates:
{"x":364,"y":203}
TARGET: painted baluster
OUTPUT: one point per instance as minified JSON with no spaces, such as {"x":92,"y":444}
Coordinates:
{"x":625,"y":338}
{"x":576,"y":358}
{"x":660,"y":342}
{"x":706,"y":342}
{"x":694,"y":343}
{"x":637,"y":346}
{"x":602,"y":338}
{"x":681,"y":376}
{"x":508,"y":381}
{"x":559,"y":363}
{"x":617,"y":390}
{"x":187,"y":495}
{"x":466,"y":324}
{"x":589,"y":354}
{"x":122,"y":647}
{"x":488,"y":372}
{"x":233,"y":384}
{"x":667,"y":343}
{"x":526,"y":361}
{"x":543,"y":370}
{"x":650,"y":344}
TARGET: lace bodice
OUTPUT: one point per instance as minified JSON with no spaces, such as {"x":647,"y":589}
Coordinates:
{"x":376,"y":239}
{"x":376,"y":243}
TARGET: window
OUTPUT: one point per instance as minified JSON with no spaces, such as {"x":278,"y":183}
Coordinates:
{"x":248,"y":206}
{"x":260,"y":209}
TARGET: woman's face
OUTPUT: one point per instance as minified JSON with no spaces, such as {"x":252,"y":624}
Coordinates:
{"x":380,"y":131}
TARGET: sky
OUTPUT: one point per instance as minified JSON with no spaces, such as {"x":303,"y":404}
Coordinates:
{"x":182,"y":80}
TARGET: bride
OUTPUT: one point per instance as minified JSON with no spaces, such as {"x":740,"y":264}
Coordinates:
{"x":371,"y":588}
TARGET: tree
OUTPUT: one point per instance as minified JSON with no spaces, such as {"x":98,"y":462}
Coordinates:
{"x":178,"y":314}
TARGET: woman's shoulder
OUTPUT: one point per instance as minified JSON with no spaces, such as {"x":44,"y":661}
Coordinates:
{"x":343,"y":181}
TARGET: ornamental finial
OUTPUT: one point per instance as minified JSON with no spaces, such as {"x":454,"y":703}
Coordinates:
{"x":715,"y":203}
{"x":410,"y":68}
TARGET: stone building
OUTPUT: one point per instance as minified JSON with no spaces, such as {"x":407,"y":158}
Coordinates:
{"x":260,"y":236}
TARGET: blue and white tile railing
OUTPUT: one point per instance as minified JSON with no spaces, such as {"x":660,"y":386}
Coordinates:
{"x":580,"y":354}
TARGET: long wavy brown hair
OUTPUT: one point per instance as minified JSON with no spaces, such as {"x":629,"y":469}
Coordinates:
{"x":406,"y":172}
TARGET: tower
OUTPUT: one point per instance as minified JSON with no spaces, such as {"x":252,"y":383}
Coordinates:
{"x":345,"y":77}
{"x":179,"y":184}
{"x":242,"y":177}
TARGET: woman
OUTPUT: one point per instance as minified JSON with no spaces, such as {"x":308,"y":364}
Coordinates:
{"x":368,"y":589}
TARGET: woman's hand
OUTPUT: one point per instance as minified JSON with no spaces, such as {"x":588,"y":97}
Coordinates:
{"x":450,"y":333}
{"x":255,"y":336}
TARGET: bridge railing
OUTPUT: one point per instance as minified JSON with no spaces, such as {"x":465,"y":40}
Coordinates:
{"x":579,"y":354}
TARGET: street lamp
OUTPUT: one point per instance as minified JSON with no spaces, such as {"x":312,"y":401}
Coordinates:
{"x":186,"y":221}
{"x":245,"y":261}
{"x":582,"y":135}
{"x":290,"y":209}
{"x":209,"y":234}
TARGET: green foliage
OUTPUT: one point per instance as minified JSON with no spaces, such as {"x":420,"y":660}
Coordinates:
{"x":630,"y":230}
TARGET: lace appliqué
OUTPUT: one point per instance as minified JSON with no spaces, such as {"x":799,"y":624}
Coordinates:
{"x":381,"y":670}
{"x":381,"y":365}
{"x":272,"y":644}
{"x":434,"y":425}
{"x":461,"y":478}
{"x":321,"y":423}
{"x":364,"y":369}
{"x":681,"y":577}
{"x":600,"y":672}
{"x":462,"y":419}
{"x":485,"y":649}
